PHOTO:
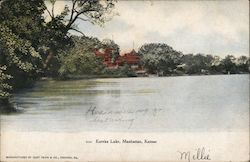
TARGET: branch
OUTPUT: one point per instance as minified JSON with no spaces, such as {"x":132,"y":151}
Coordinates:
{"x":49,"y":13}
{"x":52,"y":10}
{"x":76,"y":11}
{"x":77,"y":31}
{"x":84,"y":2}
{"x":82,"y":19}
{"x":73,"y":9}
{"x":77,"y":16}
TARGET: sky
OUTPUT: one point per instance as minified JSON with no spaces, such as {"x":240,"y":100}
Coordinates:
{"x":208,"y":27}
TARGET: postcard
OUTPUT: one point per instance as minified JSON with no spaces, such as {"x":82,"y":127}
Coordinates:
{"x":95,"y":80}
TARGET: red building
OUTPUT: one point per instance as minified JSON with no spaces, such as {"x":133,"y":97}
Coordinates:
{"x":105,"y":54}
{"x":130,"y":58}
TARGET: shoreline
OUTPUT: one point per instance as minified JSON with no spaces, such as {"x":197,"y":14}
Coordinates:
{"x":82,"y":77}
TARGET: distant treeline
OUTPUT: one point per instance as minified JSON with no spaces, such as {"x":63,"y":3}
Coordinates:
{"x":159,"y":58}
{"x":156,"y":58}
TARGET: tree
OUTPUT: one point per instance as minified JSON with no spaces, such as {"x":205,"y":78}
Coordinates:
{"x":107,"y":43}
{"x":21,"y":23}
{"x":4,"y":90}
{"x":228,"y":64}
{"x":80,"y":59}
{"x":18,"y":56}
{"x":94,"y":11}
{"x":159,"y":57}
{"x":216,"y":66}
{"x":4,"y":86}
{"x":24,"y":18}
{"x":197,"y":64}
{"x":29,"y":45}
{"x":17,"y":64}
{"x":243,"y":64}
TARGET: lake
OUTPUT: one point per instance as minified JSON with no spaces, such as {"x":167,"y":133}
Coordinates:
{"x":157,"y":104}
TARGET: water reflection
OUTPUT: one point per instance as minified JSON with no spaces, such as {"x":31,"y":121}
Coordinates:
{"x":202,"y":103}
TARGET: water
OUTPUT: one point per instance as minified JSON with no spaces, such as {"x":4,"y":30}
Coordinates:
{"x":167,"y":104}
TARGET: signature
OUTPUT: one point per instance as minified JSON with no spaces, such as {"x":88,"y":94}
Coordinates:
{"x":198,"y":154}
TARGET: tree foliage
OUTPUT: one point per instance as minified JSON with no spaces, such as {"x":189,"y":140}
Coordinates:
{"x":80,"y":59}
{"x":163,"y":59}
{"x":94,"y":11}
{"x":57,"y":29}
{"x":196,"y":64}
{"x":18,"y":57}
{"x":29,"y":45}
{"x":229,"y":64}
{"x":4,"y":86}
{"x":107,"y":43}
{"x":159,"y":57}
{"x":243,"y":64}
{"x":24,"y":18}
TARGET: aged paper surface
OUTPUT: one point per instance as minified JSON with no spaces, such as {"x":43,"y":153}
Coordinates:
{"x":170,"y":118}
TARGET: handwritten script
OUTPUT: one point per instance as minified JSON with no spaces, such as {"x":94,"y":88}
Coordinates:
{"x":199,"y":154}
{"x":120,"y":115}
